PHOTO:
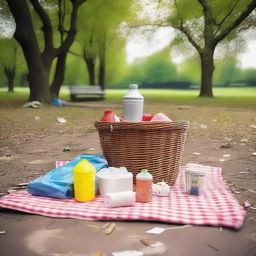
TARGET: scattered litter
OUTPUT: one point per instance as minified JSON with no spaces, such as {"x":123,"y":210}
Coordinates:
{"x":222,"y":160}
{"x":96,"y":253}
{"x":254,"y":153}
{"x":59,"y":103}
{"x":226,"y":155}
{"x":203,"y":126}
{"x":154,"y":250}
{"x":105,"y":225}
{"x":23,"y":184}
{"x":2,"y":232}
{"x":110,"y":229}
{"x":247,"y":204}
{"x":37,"y":117}
{"x":151,"y":243}
{"x":244,"y":172}
{"x":196,"y":153}
{"x":213,"y":247}
{"x":128,"y":253}
{"x":252,"y":191}
{"x":156,"y":230}
{"x":253,"y":126}
{"x":66,"y":149}
{"x":61,"y":120}
{"x":32,"y":104}
{"x":227,"y":145}
{"x":180,"y":227}
{"x":220,"y":229}
{"x":183,"y":107}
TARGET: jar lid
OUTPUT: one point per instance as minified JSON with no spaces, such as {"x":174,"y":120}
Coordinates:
{"x":195,"y":171}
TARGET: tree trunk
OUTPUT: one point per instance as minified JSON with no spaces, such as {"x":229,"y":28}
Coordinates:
{"x":102,"y":64}
{"x":207,"y":67}
{"x":25,"y":35}
{"x":58,"y":75}
{"x":91,"y":69}
{"x":10,"y":74}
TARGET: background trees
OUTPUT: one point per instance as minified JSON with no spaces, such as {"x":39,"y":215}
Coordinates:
{"x":205,"y":24}
{"x":40,"y":58}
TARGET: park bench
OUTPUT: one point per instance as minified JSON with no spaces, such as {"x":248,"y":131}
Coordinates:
{"x":84,"y":92}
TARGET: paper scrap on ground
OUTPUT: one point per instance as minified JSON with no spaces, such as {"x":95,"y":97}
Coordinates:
{"x":61,"y":120}
{"x":156,"y":230}
{"x":196,"y":154}
{"x":254,"y":153}
{"x":128,"y":253}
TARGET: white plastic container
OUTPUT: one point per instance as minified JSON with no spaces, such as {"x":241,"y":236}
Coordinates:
{"x":133,"y":103}
{"x":195,"y":177}
{"x":119,"y":199}
{"x":112,"y":180}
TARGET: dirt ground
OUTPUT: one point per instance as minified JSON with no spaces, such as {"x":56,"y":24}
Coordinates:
{"x":31,"y":140}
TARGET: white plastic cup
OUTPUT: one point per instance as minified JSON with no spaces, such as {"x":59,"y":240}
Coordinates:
{"x":133,"y":103}
{"x":195,"y":177}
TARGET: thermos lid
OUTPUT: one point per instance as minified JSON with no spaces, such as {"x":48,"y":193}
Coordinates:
{"x":133,"y":93}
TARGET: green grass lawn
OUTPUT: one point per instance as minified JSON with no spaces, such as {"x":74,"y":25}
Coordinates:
{"x":244,"y":97}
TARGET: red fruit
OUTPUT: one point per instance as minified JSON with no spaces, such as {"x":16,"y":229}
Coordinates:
{"x":108,"y":116}
{"x":147,"y":117}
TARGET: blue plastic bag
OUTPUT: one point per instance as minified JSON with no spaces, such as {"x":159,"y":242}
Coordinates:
{"x":59,"y":183}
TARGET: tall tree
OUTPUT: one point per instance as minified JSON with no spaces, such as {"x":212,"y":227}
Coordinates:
{"x":8,"y":60}
{"x":205,"y":23}
{"x":100,"y":32}
{"x":40,"y":61}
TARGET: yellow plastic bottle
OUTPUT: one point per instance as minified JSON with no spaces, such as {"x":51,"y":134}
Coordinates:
{"x":84,"y":181}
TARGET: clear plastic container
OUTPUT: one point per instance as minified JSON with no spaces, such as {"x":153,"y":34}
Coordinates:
{"x":144,"y":182}
{"x":195,"y":179}
{"x":84,"y":181}
{"x":133,"y":103}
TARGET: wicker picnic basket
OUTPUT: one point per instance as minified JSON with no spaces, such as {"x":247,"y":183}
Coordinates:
{"x":156,"y":146}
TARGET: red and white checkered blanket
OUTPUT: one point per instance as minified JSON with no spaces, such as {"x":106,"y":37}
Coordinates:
{"x":216,"y":206}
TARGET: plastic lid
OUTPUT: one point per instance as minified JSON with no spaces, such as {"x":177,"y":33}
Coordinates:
{"x":133,"y":93}
{"x":144,"y":174}
{"x":144,"y":171}
{"x":195,"y":172}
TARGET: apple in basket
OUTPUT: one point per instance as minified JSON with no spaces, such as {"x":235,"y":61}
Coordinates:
{"x":147,"y":117}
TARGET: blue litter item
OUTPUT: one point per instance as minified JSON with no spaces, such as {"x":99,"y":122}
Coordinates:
{"x":59,"y":103}
{"x":59,"y":183}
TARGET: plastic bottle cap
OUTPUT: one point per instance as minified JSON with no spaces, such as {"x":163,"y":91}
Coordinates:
{"x":133,"y":86}
{"x":144,"y":171}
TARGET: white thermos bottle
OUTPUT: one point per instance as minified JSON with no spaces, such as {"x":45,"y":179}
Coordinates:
{"x":133,"y":103}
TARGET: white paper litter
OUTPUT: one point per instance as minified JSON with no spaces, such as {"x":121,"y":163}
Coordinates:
{"x":203,"y":126}
{"x":156,"y":230}
{"x":61,"y":120}
{"x":128,"y":253}
{"x":254,"y":153}
{"x":196,"y":153}
{"x":226,"y":155}
{"x":37,"y":117}
{"x":222,"y":160}
{"x":253,"y":126}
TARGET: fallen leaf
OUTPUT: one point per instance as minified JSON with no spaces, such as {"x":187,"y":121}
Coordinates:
{"x":227,"y":145}
{"x":213,"y":247}
{"x":151,"y":243}
{"x":110,"y":229}
{"x":105,"y":225}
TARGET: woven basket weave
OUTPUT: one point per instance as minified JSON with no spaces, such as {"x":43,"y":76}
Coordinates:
{"x":156,"y":146}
